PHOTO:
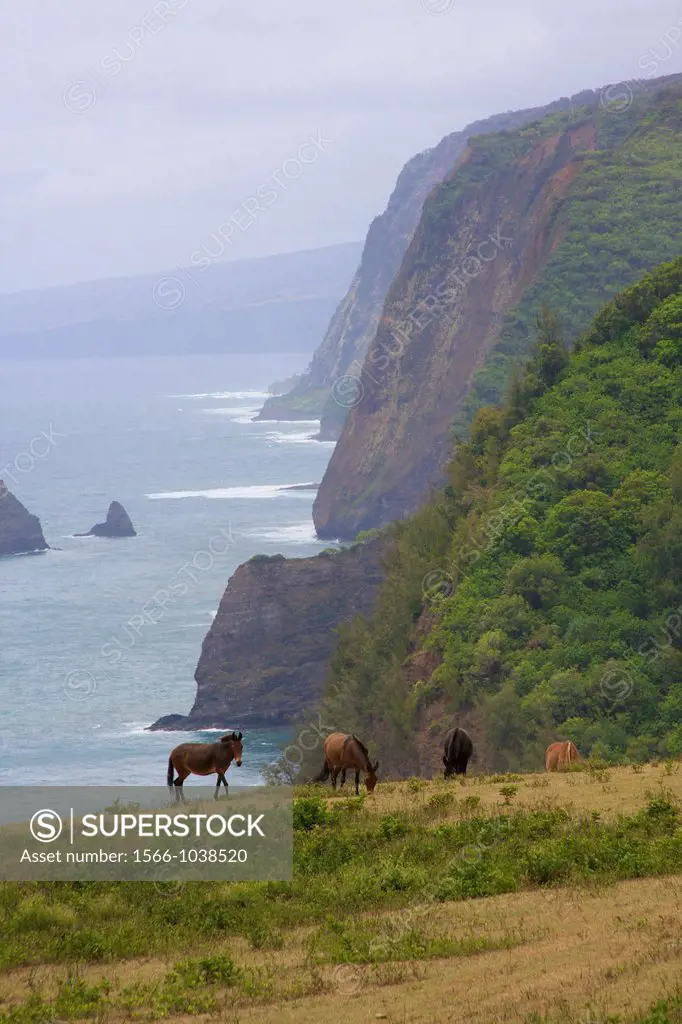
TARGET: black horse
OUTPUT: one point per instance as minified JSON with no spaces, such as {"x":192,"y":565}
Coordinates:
{"x":458,"y":750}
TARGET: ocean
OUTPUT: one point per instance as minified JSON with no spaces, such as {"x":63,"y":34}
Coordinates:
{"x":173,"y":440}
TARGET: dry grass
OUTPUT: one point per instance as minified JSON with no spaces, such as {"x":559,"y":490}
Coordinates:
{"x":615,"y":951}
{"x":611,"y":791}
{"x":580,"y":952}
{"x":571,"y":955}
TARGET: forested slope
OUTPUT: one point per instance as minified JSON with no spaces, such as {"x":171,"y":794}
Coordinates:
{"x":540,"y":595}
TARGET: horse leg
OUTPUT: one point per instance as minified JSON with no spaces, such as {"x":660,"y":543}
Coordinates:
{"x":343,"y":778}
{"x":335,"y":773}
{"x":179,"y":791}
{"x":221,"y":778}
{"x":357,"y":782}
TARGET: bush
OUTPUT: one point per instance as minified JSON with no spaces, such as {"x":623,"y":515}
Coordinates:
{"x":309,"y":812}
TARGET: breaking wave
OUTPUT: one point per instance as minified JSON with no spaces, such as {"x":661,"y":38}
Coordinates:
{"x":226,"y":493}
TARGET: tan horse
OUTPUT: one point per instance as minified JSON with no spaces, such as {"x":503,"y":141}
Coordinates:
{"x":343,"y":752}
{"x":560,"y":755}
{"x":204,"y":759}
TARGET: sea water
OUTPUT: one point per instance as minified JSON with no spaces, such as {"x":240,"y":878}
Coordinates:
{"x":206,"y":488}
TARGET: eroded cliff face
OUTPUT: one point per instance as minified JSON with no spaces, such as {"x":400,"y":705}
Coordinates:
{"x":437,"y":325}
{"x":20,"y":532}
{"x":265,"y":658}
{"x":488,"y":238}
{"x":354,"y":324}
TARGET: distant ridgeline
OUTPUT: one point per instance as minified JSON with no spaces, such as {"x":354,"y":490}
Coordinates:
{"x":274,"y":304}
{"x":539,"y":595}
{"x":563,"y":212}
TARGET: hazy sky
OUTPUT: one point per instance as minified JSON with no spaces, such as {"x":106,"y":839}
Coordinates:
{"x":133,"y":130}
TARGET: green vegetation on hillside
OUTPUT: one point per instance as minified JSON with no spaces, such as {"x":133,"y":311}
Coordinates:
{"x":546,"y":580}
{"x":299,"y":403}
{"x":622,"y":217}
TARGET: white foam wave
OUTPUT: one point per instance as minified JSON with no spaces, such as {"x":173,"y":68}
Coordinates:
{"x":240,"y":413}
{"x":297,"y":533}
{"x":134,"y":728}
{"x":258,"y":491}
{"x":295,"y":437}
{"x":315,"y":423}
{"x":226,"y":394}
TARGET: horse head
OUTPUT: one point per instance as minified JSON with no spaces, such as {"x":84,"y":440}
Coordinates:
{"x":371,"y":775}
{"x":235,"y":739}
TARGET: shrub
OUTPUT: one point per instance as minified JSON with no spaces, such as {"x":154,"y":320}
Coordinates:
{"x":309,"y":812}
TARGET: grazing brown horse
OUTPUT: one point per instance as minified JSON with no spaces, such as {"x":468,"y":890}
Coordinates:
{"x":560,"y":755}
{"x":342,"y":752}
{"x":204,"y":759}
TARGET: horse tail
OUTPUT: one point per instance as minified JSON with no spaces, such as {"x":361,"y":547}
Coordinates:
{"x":169,"y":777}
{"x":324,"y":774}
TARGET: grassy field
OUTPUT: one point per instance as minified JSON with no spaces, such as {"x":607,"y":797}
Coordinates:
{"x":525,"y":898}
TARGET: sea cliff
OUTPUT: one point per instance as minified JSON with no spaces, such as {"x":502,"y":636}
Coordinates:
{"x":560,"y":213}
{"x":266,"y":655}
{"x":354,"y":324}
{"x":20,"y":532}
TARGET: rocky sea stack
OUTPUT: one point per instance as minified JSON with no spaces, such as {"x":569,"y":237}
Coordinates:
{"x":20,"y":532}
{"x":118,"y":524}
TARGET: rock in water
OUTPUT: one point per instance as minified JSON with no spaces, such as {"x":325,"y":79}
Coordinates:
{"x":117,"y":524}
{"x":20,"y":532}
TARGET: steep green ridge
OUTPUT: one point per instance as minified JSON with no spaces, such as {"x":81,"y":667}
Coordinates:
{"x":623,"y":215}
{"x":354,"y":324}
{"x":540,"y":595}
{"x":585,"y":202}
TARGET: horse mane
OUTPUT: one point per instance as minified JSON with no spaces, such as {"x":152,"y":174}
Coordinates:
{"x":364,"y":750}
{"x":362,"y":746}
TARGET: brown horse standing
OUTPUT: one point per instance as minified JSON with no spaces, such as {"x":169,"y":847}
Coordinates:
{"x":342,"y":752}
{"x":204,"y":759}
{"x":560,"y":755}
